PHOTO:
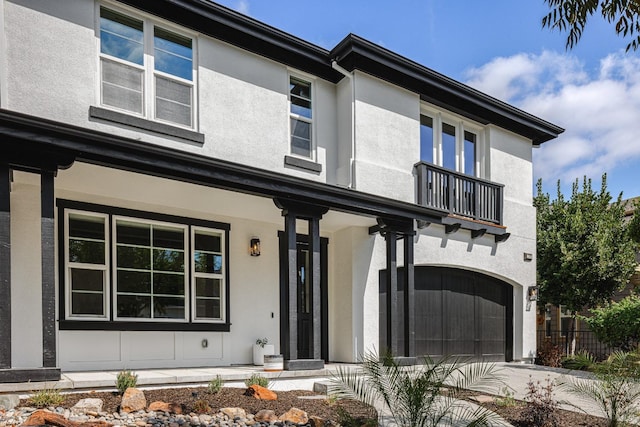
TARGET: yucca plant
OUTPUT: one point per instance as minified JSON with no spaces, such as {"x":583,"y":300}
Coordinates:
{"x":425,"y":395}
{"x":615,"y":388}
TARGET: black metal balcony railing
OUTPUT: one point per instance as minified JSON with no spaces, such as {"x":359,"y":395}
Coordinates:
{"x":459,"y":194}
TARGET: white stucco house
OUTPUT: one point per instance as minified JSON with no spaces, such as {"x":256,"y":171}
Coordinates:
{"x":178,"y":180}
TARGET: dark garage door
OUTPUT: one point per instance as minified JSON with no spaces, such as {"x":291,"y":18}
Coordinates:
{"x":457,"y":312}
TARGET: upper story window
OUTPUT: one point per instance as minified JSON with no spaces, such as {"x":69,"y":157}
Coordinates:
{"x":146,"y":69}
{"x":451,"y":143}
{"x":301,"y":117}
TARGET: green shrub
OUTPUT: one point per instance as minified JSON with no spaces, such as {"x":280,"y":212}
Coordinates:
{"x":125,"y":380}
{"x":46,"y":397}
{"x":215,"y":385}
{"x":257,"y":379}
{"x":507,"y":398}
{"x":617,"y":324}
{"x":582,"y":361}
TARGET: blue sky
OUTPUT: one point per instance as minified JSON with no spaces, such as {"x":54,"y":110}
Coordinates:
{"x":499,"y":47}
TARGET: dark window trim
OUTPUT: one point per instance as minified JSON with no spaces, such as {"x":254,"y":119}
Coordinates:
{"x":302,"y":164}
{"x":115,"y":325}
{"x":144,"y":124}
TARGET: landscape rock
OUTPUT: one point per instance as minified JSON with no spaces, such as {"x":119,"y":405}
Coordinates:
{"x":316,"y":421}
{"x":9,"y":401}
{"x":261,"y":393}
{"x":159,"y":406}
{"x":133,"y":400}
{"x":234,"y":412}
{"x":295,"y":416}
{"x":481,"y":398}
{"x":42,"y":417}
{"x":266,"y":416}
{"x":88,"y":405}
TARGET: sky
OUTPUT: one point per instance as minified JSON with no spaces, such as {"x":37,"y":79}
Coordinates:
{"x":500,"y":48}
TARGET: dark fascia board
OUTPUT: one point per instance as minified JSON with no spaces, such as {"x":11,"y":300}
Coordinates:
{"x":222,"y":23}
{"x":354,"y":52}
{"x":22,"y":135}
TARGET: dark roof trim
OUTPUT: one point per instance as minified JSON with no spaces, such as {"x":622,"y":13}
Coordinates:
{"x":225,"y":24}
{"x":27,"y":142}
{"x":353,"y":52}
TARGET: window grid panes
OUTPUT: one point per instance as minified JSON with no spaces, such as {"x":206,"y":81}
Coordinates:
{"x":133,"y":269}
{"x":125,"y":60}
{"x":150,"y":275}
{"x":208,"y":268}
{"x":87,"y":265}
{"x":301,"y":117}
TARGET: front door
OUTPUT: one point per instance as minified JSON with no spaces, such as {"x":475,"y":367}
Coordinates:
{"x":305,"y":302}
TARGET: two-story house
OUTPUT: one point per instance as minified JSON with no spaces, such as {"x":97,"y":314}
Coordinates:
{"x":177,"y":180}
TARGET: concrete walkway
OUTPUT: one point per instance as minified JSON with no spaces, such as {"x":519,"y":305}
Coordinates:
{"x":516,"y":377}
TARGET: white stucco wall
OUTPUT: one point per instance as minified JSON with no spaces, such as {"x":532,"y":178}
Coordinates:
{"x":242,"y":97}
{"x":387,"y":138}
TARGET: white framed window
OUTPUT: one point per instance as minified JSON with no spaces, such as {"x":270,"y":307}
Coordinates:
{"x":139,"y":268}
{"x":565,"y":317}
{"x":146,"y":68}
{"x":208,"y":274}
{"x":301,"y":117}
{"x":87,"y":265}
{"x":452,"y":142}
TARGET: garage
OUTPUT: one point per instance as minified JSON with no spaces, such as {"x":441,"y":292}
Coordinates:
{"x":457,"y":312}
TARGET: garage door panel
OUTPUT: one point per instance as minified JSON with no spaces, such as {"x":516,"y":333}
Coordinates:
{"x":457,"y":312}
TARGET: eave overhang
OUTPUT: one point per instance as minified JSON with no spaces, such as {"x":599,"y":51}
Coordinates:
{"x":31,"y":143}
{"x":356,"y":53}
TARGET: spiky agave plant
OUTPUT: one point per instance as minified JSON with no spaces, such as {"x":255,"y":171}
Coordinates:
{"x":615,"y":388}
{"x":426,"y":395}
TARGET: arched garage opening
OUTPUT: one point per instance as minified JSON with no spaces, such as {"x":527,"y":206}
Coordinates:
{"x":457,"y":312}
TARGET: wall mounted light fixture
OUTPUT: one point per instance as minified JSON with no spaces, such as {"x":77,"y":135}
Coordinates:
{"x":532,"y":293}
{"x":254,"y":246}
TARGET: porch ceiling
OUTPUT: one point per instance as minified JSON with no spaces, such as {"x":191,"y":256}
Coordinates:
{"x":99,"y":184}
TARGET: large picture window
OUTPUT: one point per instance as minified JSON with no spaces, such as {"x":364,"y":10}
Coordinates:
{"x":124,"y":266}
{"x":146,"y":69}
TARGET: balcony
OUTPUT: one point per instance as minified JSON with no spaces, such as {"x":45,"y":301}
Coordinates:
{"x":458,"y":194}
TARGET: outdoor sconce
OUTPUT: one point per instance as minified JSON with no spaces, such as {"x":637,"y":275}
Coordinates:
{"x":254,"y":247}
{"x":532,"y":293}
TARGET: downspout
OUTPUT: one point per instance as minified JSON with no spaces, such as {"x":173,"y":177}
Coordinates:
{"x":352,"y":160}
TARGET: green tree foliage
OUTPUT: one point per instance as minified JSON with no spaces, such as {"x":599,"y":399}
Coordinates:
{"x":618,"y":323}
{"x":572,"y":16}
{"x":584,"y":251}
{"x":634,"y":223}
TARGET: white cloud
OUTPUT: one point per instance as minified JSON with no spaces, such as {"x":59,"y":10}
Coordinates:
{"x":600,"y":112}
{"x":242,"y":6}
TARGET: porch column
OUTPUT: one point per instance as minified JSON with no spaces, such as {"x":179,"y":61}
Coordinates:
{"x":409,"y":298}
{"x":5,"y":266}
{"x":48,"y":270}
{"x":289,"y":340}
{"x":392,"y":292}
{"x":393,"y":229}
{"x":314,"y":284}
